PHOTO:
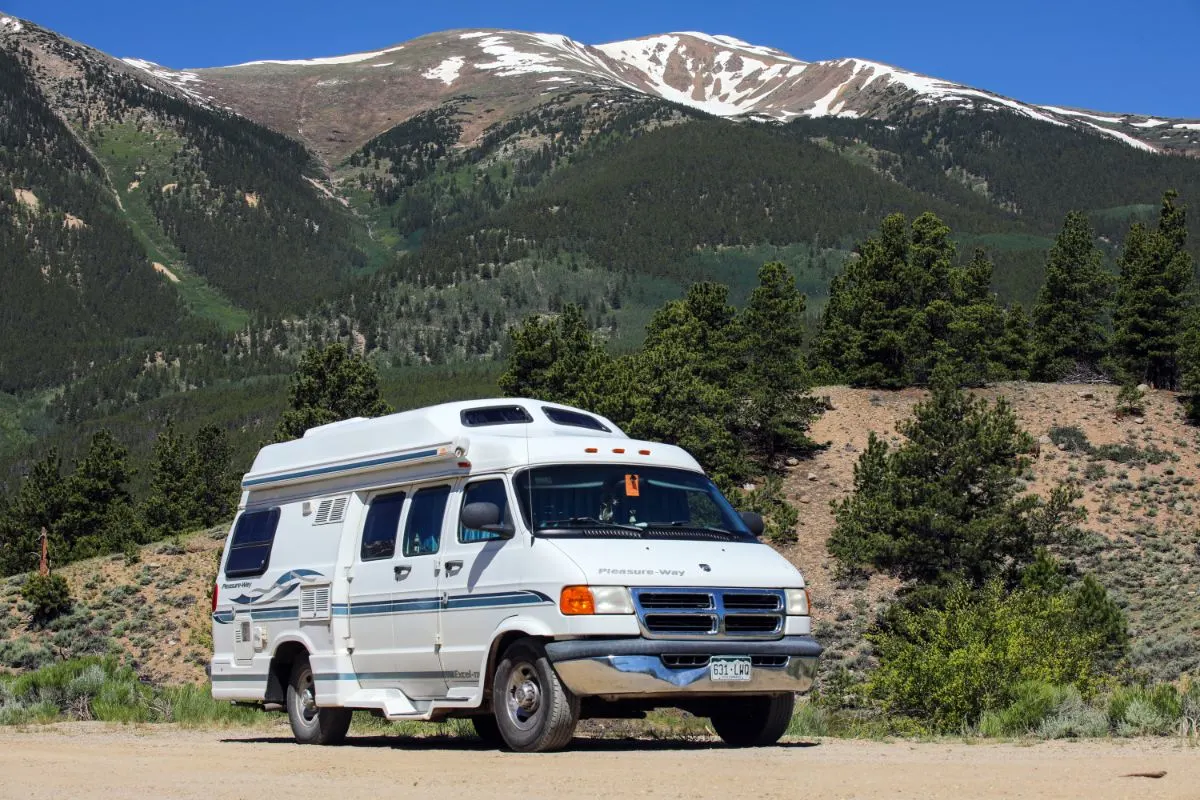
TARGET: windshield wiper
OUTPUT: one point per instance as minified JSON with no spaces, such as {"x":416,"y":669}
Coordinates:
{"x":559,"y":524}
{"x":692,"y":526}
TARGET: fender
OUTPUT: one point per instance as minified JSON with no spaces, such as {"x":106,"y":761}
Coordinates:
{"x":518,"y":623}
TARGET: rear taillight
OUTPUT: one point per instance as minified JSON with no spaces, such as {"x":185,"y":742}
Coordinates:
{"x":214,"y":607}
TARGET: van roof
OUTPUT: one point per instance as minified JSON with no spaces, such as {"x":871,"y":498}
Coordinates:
{"x":490,"y":433}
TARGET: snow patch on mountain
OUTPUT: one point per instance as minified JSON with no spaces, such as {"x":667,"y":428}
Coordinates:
{"x":1188,"y":126}
{"x":447,"y":71}
{"x":353,"y":58}
{"x":183,"y":80}
{"x":12,"y":24}
{"x":1069,"y":112}
{"x":1149,"y":123}
{"x":1124,"y":137}
{"x":510,"y":61}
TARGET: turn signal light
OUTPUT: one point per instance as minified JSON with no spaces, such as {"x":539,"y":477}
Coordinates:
{"x":576,"y":600}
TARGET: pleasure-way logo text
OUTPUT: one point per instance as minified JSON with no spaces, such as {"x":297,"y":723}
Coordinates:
{"x":677,"y":573}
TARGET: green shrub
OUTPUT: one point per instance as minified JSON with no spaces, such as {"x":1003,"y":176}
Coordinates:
{"x":193,"y":705}
{"x":1074,"y":718}
{"x":1071,"y":438}
{"x":809,"y":720}
{"x":1131,"y":401}
{"x":950,"y":664}
{"x":1119,"y":453}
{"x":48,"y":595}
{"x":1032,"y":703}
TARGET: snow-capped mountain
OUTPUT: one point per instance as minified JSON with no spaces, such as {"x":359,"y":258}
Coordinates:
{"x":336,"y":103}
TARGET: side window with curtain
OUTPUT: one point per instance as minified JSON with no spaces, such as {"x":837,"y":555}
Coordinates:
{"x":490,"y":491}
{"x":382,"y":526}
{"x":426,"y":514}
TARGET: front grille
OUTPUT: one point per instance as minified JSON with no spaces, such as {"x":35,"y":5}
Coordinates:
{"x":752,"y":623}
{"x":681,"y":623}
{"x":666,"y":613}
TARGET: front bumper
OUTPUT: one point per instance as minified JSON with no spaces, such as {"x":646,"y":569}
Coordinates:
{"x":636,"y":667}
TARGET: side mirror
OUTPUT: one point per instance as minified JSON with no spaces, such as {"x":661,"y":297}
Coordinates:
{"x":754,"y":522}
{"x":485,"y":517}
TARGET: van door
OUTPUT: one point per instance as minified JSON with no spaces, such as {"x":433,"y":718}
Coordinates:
{"x":481,"y":580}
{"x":372,"y":592}
{"x":417,"y":599}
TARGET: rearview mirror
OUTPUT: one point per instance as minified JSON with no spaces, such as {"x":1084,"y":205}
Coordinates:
{"x":485,"y":517}
{"x":753,"y":521}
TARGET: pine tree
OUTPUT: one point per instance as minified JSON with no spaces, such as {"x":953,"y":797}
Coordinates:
{"x":214,"y":488}
{"x":945,"y":506}
{"x":1015,"y":345}
{"x":330,"y":384}
{"x":95,"y":492}
{"x":1153,"y":294}
{"x":169,"y":509}
{"x":38,"y":504}
{"x":1069,"y":316}
{"x":1189,"y":363}
{"x":773,"y":377}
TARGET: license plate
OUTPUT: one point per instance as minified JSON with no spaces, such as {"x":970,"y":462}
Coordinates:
{"x":729,"y":668}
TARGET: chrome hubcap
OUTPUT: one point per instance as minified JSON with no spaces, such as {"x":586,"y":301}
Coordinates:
{"x":308,"y":699}
{"x":524,"y":696}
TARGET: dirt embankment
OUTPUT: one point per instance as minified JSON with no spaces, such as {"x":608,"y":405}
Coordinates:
{"x":90,"y":760}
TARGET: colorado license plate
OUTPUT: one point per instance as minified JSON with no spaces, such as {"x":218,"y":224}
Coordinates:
{"x":729,"y":668}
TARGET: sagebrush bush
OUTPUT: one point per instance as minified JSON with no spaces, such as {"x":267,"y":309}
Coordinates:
{"x":950,"y":664}
{"x":1071,"y":438}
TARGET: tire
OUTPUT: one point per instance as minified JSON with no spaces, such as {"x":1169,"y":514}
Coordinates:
{"x":488,"y":730}
{"x":534,"y":712}
{"x":755,"y":721}
{"x":310,"y":724}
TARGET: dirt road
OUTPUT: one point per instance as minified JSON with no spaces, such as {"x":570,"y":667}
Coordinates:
{"x":83,"y":761}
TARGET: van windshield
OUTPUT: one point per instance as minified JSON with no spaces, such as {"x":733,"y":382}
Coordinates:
{"x":625,"y":501}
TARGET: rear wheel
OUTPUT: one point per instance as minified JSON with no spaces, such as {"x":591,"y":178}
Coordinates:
{"x":754,"y":721}
{"x":534,"y":711}
{"x":311,"y":724}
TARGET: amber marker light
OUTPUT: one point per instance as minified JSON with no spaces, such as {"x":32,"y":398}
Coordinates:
{"x":576,"y":600}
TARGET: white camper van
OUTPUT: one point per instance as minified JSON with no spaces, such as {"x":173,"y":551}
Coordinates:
{"x":521,"y":563}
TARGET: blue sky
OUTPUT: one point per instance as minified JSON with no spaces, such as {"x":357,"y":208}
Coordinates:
{"x":1102,"y":55}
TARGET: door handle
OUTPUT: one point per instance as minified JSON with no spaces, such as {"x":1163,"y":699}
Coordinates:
{"x":401,"y":571}
{"x":453,"y":567}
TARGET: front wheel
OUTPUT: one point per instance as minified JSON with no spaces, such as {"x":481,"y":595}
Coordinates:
{"x":755,"y":721}
{"x":311,"y":724}
{"x":534,"y":711}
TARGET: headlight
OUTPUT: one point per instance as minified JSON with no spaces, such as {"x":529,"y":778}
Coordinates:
{"x":584,"y":600}
{"x":797,"y":602}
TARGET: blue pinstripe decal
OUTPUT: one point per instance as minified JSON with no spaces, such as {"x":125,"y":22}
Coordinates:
{"x":308,"y":473}
{"x":405,"y":606}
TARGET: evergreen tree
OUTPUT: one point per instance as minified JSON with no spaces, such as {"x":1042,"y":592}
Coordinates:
{"x":214,"y":488}
{"x":169,"y":508}
{"x":683,"y":375}
{"x":945,"y":506}
{"x":38,"y":504}
{"x":1153,"y":294}
{"x":773,"y":377}
{"x":1189,"y":363}
{"x":1015,"y":345}
{"x":330,"y":384}
{"x":557,"y":359}
{"x":96,"y":493}
{"x":1069,"y":316}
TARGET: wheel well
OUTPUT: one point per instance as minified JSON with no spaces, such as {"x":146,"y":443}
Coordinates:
{"x":281,"y":670}
{"x":499,"y":645}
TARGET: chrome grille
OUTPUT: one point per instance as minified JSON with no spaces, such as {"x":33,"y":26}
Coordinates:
{"x":669,"y":613}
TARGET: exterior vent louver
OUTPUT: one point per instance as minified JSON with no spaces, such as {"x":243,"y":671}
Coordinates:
{"x":330,"y":511}
{"x":314,"y":602}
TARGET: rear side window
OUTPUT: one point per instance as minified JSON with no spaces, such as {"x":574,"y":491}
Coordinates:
{"x":250,"y":547}
{"x":483,"y":492}
{"x":423,"y":528}
{"x":382,"y":526}
{"x":561,"y":416}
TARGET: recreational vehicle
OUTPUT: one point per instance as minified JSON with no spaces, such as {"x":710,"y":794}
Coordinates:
{"x":521,"y":563}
